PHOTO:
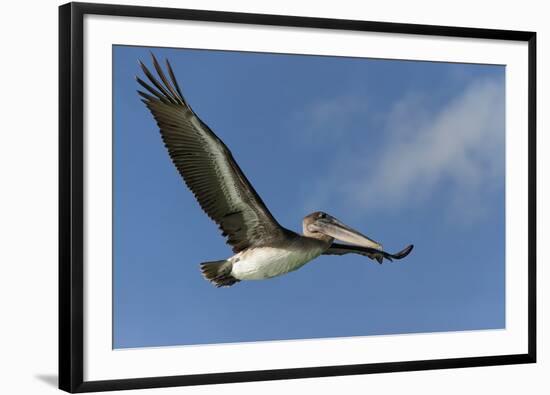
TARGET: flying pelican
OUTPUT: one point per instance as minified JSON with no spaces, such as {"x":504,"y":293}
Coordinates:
{"x":262,"y":248}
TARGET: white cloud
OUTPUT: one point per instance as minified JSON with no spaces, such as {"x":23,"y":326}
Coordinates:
{"x":327,"y":120}
{"x":460,"y":146}
{"x":336,"y":110}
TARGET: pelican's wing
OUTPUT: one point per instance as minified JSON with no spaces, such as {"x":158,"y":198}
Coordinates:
{"x":207,"y":166}
{"x":341,"y":249}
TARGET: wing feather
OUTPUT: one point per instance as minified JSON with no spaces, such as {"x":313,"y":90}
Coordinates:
{"x":207,"y":166}
{"x":372,"y":253}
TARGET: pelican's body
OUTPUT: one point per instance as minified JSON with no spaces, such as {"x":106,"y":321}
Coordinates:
{"x":271,"y":261}
{"x":262,"y":247}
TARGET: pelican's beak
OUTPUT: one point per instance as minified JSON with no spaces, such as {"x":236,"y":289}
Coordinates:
{"x":330,"y":226}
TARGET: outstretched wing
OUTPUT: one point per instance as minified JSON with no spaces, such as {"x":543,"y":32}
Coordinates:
{"x":207,"y":166}
{"x":342,"y":249}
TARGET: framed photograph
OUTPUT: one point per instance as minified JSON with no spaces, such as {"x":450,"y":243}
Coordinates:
{"x":250,"y":197}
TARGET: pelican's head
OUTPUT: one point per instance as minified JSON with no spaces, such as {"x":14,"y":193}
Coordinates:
{"x":323,"y":226}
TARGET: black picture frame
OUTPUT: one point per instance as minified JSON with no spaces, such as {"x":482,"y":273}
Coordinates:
{"x":71,"y":195}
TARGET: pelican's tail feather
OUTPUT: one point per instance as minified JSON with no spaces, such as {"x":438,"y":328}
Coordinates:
{"x":218,"y":273}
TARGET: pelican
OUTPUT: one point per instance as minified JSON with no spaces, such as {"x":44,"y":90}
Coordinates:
{"x":262,"y":247}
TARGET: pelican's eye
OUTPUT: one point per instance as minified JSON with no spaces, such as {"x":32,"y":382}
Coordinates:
{"x":322,"y":215}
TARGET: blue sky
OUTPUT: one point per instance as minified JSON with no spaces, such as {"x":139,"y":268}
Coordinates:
{"x":404,"y":151}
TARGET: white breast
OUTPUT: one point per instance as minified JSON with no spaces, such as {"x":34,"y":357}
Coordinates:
{"x":265,"y":262}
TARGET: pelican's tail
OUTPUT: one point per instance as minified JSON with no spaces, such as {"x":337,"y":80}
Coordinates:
{"x":218,"y":273}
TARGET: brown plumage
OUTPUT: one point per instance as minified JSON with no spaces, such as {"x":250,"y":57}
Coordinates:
{"x":207,"y":166}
